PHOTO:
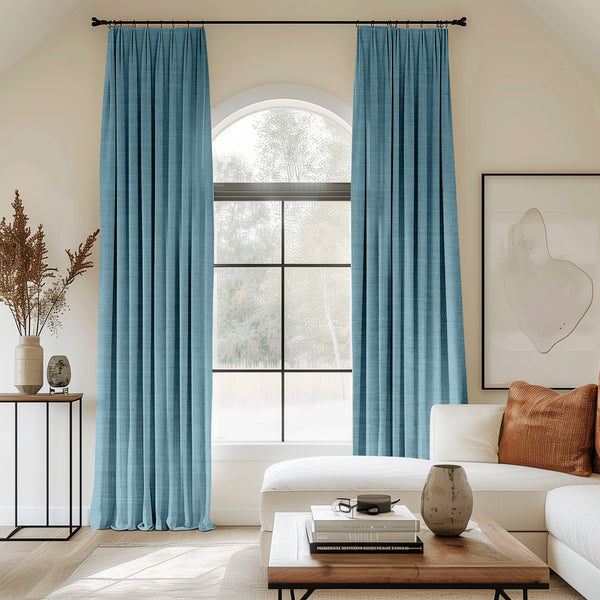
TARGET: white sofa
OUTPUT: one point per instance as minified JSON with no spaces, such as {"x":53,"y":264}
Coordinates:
{"x":527,"y":502}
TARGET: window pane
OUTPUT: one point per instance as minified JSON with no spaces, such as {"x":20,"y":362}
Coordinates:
{"x":318,"y":407}
{"x":283,"y":144}
{"x":246,"y":407}
{"x":317,"y":318}
{"x":317,"y":232}
{"x":247,"y":313}
{"x":247,"y":232}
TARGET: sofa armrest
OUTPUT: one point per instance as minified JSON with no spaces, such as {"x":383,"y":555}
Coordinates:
{"x":465,"y":432}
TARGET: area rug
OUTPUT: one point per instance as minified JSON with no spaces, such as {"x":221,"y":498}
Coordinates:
{"x":219,"y":571}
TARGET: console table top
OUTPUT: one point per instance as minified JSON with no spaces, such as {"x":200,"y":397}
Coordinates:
{"x":40,"y":397}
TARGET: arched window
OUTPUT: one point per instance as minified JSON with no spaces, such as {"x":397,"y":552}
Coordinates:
{"x":282,"y":340}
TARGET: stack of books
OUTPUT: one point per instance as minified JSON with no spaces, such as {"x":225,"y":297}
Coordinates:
{"x":332,"y":531}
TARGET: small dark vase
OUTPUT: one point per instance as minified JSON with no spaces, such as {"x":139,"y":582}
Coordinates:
{"x":58,"y":371}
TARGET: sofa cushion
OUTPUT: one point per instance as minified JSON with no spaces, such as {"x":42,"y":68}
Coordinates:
{"x":465,"y":432}
{"x":548,"y":430}
{"x":513,"y":496}
{"x":572,"y":516}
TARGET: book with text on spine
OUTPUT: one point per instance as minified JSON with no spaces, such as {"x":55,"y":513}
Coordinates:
{"x":398,"y":519}
{"x":316,"y":547}
{"x":364,"y":536}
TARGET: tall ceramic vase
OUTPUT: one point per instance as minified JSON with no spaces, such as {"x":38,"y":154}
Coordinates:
{"x":447,"y":500}
{"x":29,"y":364}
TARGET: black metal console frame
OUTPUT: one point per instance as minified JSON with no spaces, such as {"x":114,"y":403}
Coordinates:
{"x":46,"y":399}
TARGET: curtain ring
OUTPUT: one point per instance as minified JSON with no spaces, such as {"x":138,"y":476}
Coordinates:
{"x":134,"y":23}
{"x":389,"y":24}
{"x":421,"y":24}
{"x":161,"y":23}
{"x":372,"y":24}
{"x":188,"y":23}
{"x":172,"y":24}
{"x":407,"y":24}
{"x":357,"y":23}
{"x":147,"y":24}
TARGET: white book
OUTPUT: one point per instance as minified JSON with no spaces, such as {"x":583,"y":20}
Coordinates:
{"x":398,"y":519}
{"x":365,"y":536}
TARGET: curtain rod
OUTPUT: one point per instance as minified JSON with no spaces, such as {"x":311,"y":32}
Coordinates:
{"x":462,"y":22}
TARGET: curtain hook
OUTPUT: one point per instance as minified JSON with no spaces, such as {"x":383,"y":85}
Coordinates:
{"x":421,"y":24}
{"x":147,"y":24}
{"x":389,"y":24}
{"x":134,"y":23}
{"x":407,"y":24}
{"x":188,"y":23}
{"x":172,"y":24}
{"x":357,"y":23}
{"x":161,"y":23}
{"x":372,"y":24}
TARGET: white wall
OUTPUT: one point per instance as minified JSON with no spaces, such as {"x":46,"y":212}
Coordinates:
{"x":521,"y":101}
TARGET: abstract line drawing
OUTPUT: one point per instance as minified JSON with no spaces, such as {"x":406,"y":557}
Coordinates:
{"x":548,"y":296}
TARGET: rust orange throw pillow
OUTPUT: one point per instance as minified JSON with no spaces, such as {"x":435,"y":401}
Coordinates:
{"x":596,"y":452}
{"x":596,"y":446}
{"x":548,"y":430}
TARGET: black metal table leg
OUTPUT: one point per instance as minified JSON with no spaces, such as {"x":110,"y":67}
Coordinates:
{"x":500,"y":593}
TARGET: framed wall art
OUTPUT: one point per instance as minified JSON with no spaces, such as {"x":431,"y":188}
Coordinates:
{"x":541,"y":279}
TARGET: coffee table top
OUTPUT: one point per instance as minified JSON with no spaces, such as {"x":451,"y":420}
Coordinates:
{"x":485,"y":556}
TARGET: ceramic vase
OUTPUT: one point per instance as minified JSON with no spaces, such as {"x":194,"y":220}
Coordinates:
{"x":58,"y":371}
{"x":447,"y":500}
{"x":29,"y":364}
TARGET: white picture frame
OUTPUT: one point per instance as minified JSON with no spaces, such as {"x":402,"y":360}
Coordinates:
{"x":540,"y":308}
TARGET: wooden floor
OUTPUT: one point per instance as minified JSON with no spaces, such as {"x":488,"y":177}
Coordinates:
{"x":32,"y":570}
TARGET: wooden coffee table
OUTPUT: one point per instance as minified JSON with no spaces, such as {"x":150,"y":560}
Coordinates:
{"x":486,"y":557}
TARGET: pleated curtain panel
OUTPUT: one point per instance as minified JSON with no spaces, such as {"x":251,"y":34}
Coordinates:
{"x":156,"y":284}
{"x":407,"y":325}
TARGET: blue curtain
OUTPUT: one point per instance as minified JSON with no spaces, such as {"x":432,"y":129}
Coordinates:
{"x":407,"y":326}
{"x":156,"y":284}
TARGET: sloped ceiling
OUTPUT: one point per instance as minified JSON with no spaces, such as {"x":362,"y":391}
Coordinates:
{"x":25,"y":23}
{"x":575,"y":22}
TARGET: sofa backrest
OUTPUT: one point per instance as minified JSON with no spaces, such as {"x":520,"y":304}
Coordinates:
{"x":465,"y":432}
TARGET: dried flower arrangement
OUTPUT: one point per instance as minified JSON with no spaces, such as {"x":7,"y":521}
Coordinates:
{"x":28,"y":286}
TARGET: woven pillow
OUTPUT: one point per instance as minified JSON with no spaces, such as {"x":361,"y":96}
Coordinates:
{"x":596,"y":449}
{"x":548,"y":430}
{"x":596,"y":445}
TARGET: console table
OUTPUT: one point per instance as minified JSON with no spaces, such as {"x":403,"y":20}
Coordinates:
{"x":47,"y":399}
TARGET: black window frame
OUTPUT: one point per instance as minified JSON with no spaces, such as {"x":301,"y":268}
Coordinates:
{"x":283,"y":192}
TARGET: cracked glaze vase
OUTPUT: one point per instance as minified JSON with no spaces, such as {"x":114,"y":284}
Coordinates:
{"x":447,"y":500}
